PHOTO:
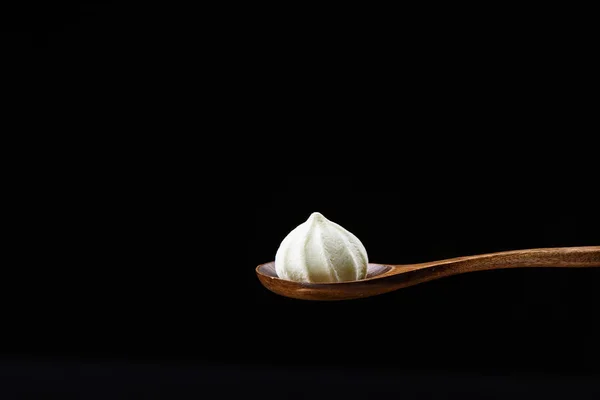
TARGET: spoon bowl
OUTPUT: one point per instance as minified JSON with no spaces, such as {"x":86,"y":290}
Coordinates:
{"x":384,"y":278}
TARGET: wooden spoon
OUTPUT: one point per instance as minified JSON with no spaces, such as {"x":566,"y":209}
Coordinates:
{"x":384,"y":278}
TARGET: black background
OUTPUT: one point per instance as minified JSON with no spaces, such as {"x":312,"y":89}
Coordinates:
{"x":134,"y":258}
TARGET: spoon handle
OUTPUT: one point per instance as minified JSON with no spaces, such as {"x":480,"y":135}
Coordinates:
{"x":561,"y":257}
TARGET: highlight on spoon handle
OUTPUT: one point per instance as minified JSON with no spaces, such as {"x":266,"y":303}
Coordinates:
{"x":560,"y":257}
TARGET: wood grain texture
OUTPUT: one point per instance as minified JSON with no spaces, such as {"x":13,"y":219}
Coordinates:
{"x":383,"y":278}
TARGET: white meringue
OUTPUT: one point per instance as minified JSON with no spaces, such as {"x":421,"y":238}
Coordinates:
{"x":320,"y":250}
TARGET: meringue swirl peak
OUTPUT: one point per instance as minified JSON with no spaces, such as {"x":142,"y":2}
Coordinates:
{"x":321,"y":251}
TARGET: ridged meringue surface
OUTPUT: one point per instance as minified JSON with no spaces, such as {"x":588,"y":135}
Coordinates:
{"x":320,"y":250}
